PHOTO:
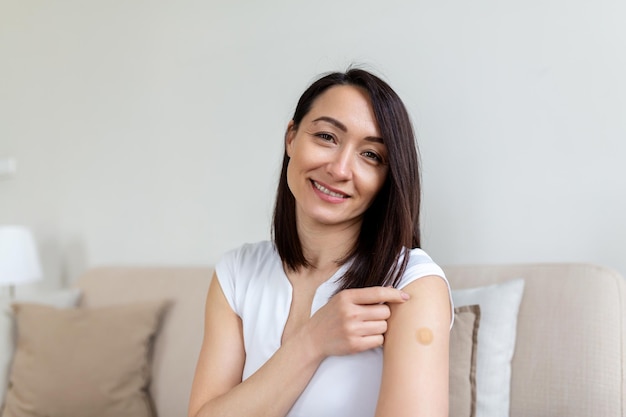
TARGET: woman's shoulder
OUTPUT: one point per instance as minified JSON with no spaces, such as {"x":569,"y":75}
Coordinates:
{"x":419,"y":256}
{"x":419,"y":265}
{"x":260,"y":248}
{"x":241,"y":267}
{"x":250,"y":254}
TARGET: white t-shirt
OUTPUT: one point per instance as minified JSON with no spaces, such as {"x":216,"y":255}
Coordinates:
{"x":256,"y":287}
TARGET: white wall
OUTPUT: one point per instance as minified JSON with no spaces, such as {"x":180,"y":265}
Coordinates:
{"x":151,"y":132}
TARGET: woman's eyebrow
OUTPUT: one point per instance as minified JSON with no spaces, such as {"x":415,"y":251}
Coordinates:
{"x":343,"y":127}
{"x":332,"y":121}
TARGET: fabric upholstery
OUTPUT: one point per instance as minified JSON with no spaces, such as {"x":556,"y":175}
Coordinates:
{"x":569,"y":355}
{"x":178,"y":345}
{"x":499,"y":305}
{"x":60,"y":298}
{"x":80,"y":362}
{"x":463,"y":354}
{"x":570,"y":346}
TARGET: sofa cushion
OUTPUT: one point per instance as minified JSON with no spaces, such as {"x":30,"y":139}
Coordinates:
{"x":499,"y":307}
{"x":58,"y":298}
{"x":177,"y":348}
{"x":79,"y":362}
{"x":463,"y":352}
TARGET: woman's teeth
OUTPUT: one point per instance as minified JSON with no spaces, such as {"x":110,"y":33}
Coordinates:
{"x":327,"y":191}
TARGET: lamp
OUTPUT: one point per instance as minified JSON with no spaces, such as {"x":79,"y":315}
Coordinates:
{"x":19,"y":260}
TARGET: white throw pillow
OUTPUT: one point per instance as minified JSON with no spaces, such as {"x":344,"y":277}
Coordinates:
{"x":59,"y":298}
{"x":499,"y":305}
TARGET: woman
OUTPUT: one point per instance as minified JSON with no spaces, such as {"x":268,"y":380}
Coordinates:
{"x":338,"y":316}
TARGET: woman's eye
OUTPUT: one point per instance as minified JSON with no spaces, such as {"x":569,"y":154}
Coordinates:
{"x":372,"y":155}
{"x":325,"y":136}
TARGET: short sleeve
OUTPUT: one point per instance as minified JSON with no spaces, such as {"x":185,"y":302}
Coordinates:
{"x":226,"y":270}
{"x":240,"y":267}
{"x":421,"y":265}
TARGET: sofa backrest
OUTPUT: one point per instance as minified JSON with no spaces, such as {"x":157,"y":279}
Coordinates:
{"x":570,"y":348}
{"x":571,"y":337}
{"x":178,"y":342}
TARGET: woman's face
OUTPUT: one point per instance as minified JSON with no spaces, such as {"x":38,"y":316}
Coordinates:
{"x":338,"y":160}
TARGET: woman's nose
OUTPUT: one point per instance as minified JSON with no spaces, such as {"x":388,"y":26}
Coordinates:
{"x":340,"y":167}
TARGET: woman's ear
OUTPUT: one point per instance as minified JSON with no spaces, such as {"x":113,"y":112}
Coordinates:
{"x":290,"y":135}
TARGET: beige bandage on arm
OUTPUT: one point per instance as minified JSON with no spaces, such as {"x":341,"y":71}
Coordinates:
{"x":424,"y":336}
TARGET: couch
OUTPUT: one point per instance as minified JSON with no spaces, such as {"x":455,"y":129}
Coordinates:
{"x":569,"y":355}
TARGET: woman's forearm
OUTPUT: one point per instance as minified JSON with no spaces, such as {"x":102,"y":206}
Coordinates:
{"x":273,"y":389}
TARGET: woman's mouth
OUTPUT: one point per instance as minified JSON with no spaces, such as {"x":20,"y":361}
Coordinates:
{"x":326,"y":191}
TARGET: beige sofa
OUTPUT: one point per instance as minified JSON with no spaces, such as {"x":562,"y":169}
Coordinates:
{"x":569,"y":356}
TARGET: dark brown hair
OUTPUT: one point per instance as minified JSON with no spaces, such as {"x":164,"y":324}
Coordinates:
{"x":391,"y":223}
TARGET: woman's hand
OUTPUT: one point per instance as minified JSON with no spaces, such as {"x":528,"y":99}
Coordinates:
{"x":352,"y":321}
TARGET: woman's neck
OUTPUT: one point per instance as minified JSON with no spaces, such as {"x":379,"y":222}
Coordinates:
{"x":323,"y":246}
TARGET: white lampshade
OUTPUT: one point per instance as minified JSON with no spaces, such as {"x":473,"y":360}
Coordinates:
{"x":19,"y":260}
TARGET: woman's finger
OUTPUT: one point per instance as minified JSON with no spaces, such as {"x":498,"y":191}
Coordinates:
{"x":375,"y":295}
{"x":374,"y":312}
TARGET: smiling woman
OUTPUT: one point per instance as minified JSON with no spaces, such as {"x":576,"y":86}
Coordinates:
{"x":335,"y":167}
{"x":323,"y":320}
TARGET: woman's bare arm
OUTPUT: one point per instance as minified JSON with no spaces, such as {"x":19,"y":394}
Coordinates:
{"x":352,"y":321}
{"x":416,"y":353}
{"x":217,"y":387}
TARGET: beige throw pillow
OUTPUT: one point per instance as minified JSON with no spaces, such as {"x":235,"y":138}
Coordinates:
{"x":83,"y":362}
{"x":499,"y":307}
{"x":463,"y":354}
{"x":59,"y":298}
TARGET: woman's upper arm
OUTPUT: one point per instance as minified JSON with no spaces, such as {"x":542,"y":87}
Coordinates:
{"x":416,"y":352}
{"x":222,"y":355}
